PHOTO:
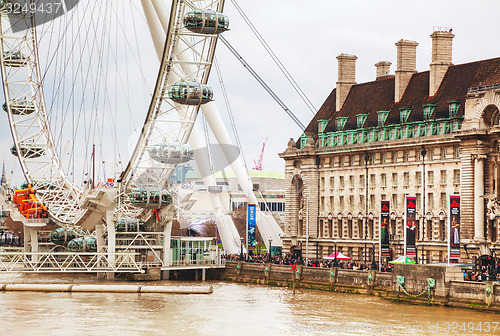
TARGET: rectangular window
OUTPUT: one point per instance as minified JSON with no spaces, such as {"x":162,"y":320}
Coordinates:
{"x":351,"y":181}
{"x":361,"y":119}
{"x":383,"y":180}
{"x":428,"y":110}
{"x":418,"y":178}
{"x":322,"y":204}
{"x":406,"y":156}
{"x":394,"y":157}
{"x":444,"y":152}
{"x":332,"y":182}
{"x":456,"y":176}
{"x":383,"y":197}
{"x":362,"y":181}
{"x":372,"y":201}
{"x":351,"y":202}
{"x":342,"y":159}
{"x":362,"y":202}
{"x":406,"y":177}
{"x":394,"y":201}
{"x":384,"y":158}
{"x":372,"y":180}
{"x":322,"y":184}
{"x":443,"y":202}
{"x":430,"y":177}
{"x":341,"y":202}
{"x":341,"y":180}
{"x":453,"y":108}
{"x":394,"y":179}
{"x":430,"y":200}
{"x":332,"y":204}
{"x":419,"y":200}
{"x":351,"y":161}
{"x":430,"y":155}
{"x":444,"y":177}
{"x":403,"y":115}
{"x":456,"y":153}
{"x":382,"y":116}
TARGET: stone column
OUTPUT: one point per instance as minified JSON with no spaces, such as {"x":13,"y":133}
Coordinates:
{"x":479,"y":197}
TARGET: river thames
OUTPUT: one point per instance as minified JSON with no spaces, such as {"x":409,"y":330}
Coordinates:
{"x":241,"y":309}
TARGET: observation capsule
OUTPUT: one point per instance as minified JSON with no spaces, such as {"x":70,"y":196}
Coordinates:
{"x":18,"y":107}
{"x":150,"y":198}
{"x":63,"y":236}
{"x":29,"y":151}
{"x":190,"y":93}
{"x":131,"y":225}
{"x":206,"y":21}
{"x":83,"y":244}
{"x":14,"y":59}
{"x":171,"y":153}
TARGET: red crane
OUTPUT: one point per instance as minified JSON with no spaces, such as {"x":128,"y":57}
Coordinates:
{"x":258,"y":164}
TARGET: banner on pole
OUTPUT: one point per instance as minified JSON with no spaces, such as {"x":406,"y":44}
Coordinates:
{"x":411,"y":225}
{"x":251,"y":214}
{"x":384,"y":228}
{"x":454,"y":228}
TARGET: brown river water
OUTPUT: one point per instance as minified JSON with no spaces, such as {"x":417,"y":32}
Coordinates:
{"x":232,"y":309}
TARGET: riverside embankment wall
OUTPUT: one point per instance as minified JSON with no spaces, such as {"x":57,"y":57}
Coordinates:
{"x":411,"y":286}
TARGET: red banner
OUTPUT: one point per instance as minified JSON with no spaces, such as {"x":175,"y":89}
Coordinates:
{"x":411,"y":225}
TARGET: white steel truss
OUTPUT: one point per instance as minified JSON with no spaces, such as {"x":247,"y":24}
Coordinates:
{"x":69,"y":262}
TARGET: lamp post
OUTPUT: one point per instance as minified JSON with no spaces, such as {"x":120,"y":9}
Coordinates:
{"x":424,"y":220}
{"x":270,"y":247}
{"x":374,"y":264}
{"x":335,"y":260}
{"x":367,"y":157}
{"x":241,"y":249}
{"x":307,"y":231}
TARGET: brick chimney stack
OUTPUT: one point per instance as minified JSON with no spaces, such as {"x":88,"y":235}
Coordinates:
{"x":347,"y":77}
{"x":406,"y":67}
{"x":441,"y":58}
{"x":383,"y":68}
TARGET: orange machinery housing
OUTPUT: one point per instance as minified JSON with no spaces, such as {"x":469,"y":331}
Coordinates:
{"x":28,"y":204}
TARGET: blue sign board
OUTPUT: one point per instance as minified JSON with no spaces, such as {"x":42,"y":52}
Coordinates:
{"x":251,"y":215}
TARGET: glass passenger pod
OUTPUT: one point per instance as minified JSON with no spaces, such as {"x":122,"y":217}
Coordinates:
{"x":14,"y":59}
{"x":206,"y":22}
{"x":28,"y":151}
{"x":131,"y":225}
{"x":63,"y":236}
{"x":83,"y":244}
{"x":190,"y":93}
{"x":150,"y":198}
{"x":20,"y":106}
{"x":171,"y":153}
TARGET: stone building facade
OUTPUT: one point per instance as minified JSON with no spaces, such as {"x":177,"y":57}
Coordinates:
{"x":428,"y":134}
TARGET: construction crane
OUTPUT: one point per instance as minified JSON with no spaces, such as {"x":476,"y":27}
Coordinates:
{"x":258,"y":164}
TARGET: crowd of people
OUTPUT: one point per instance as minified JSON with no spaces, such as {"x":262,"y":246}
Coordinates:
{"x":482,"y":274}
{"x":290,"y":259}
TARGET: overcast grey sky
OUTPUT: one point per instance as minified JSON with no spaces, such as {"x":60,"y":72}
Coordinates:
{"x":307,"y":36}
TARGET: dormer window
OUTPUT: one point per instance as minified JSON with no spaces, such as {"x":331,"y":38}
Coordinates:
{"x":340,"y":123}
{"x":428,"y":110}
{"x":382,"y":116}
{"x":322,"y":125}
{"x":453,"y":107}
{"x":361,"y":118}
{"x":403,"y":114}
